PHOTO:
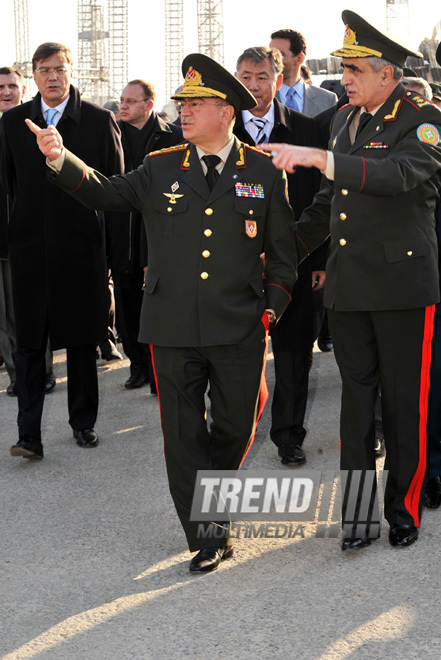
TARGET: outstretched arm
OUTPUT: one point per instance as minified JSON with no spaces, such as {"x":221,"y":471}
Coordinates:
{"x":288,"y":156}
{"x":49,"y":140}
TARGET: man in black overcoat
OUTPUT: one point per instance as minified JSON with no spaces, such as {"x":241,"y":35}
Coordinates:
{"x":260,"y":70}
{"x":206,"y":307}
{"x":377,"y":202}
{"x":57,"y":249}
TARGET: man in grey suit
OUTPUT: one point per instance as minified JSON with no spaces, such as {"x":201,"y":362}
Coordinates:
{"x":294,"y":92}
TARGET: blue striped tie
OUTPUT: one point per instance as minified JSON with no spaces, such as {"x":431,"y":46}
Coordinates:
{"x":260,"y":124}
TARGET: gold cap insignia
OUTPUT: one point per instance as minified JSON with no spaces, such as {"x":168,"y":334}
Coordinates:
{"x":193,"y":78}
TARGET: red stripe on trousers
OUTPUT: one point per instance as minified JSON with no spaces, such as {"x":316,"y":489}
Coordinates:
{"x":412,"y":499}
{"x":263,"y":391}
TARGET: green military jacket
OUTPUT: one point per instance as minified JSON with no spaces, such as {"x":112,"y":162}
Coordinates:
{"x":204,"y":284}
{"x":380,"y":208}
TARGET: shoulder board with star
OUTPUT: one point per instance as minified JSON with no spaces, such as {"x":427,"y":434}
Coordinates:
{"x":259,"y":151}
{"x":416,"y":100}
{"x":169,"y":150}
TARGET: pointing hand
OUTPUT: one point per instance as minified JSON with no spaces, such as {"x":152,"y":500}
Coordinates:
{"x":49,"y":140}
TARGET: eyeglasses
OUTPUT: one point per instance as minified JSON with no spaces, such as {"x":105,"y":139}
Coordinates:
{"x":58,"y":70}
{"x":131,"y":101}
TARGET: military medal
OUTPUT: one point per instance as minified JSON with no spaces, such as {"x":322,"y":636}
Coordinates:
{"x":249,"y":190}
{"x":172,"y":196}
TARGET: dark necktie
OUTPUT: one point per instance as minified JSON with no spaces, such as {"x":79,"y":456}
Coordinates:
{"x":364,"y":118}
{"x":212,"y":173}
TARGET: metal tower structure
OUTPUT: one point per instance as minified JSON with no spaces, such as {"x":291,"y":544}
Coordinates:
{"x":211,"y":29}
{"x":93,"y":74}
{"x":397,"y":19}
{"x":174,"y":44}
{"x":22,"y":54}
{"x":118,"y":21}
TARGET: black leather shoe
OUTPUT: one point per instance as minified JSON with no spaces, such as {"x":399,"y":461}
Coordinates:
{"x":355,"y":543}
{"x":292,"y":454}
{"x":50,"y":383}
{"x":432,"y":492}
{"x":28,"y":447}
{"x":208,"y":559}
{"x":403,"y":535}
{"x":135,"y":381}
{"x":378,"y":447}
{"x":112,"y":355}
{"x":11,"y":390}
{"x":86,"y":438}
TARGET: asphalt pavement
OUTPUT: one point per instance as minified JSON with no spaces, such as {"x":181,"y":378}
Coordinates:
{"x":94,"y":563}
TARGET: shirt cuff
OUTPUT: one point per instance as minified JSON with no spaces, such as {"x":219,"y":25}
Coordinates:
{"x":330,"y":166}
{"x":58,"y":163}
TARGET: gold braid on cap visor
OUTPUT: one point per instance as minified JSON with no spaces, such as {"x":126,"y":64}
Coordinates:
{"x":352,"y":49}
{"x":195,"y":88}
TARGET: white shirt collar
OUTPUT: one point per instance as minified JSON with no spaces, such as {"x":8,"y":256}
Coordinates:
{"x":61,"y":107}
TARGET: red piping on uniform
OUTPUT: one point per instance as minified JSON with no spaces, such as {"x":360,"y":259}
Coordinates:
{"x":82,"y":179}
{"x":159,"y":398}
{"x":280,"y":287}
{"x":412,"y":499}
{"x":304,"y":244}
{"x":263,"y":391}
{"x":364,"y":174}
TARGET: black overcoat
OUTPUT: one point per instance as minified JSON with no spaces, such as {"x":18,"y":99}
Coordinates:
{"x":56,"y":245}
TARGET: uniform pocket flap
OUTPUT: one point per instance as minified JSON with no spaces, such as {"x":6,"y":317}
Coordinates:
{"x":150,"y":282}
{"x":406,"y":248}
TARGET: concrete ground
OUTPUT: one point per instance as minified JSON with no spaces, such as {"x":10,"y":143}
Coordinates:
{"x":94,"y":562}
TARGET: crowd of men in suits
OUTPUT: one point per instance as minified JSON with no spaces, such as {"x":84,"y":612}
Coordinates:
{"x":163,"y":225}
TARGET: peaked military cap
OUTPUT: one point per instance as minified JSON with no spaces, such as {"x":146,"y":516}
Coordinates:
{"x":363,"y":40}
{"x":205,"y":78}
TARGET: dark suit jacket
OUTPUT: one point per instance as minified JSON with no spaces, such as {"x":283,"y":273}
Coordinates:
{"x":295,"y":329}
{"x":204,"y":283}
{"x":380,"y":209}
{"x":56,"y":246}
{"x":123,"y":230}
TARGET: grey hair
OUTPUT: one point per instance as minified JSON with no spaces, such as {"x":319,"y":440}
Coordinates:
{"x":259,"y":54}
{"x":378,"y":63}
{"x":413,"y":82}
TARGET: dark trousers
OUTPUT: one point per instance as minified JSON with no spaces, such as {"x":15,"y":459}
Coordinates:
{"x":233,"y":374}
{"x":128,"y":298}
{"x":391,"y":348}
{"x":82,"y":387}
{"x":434,"y":419}
{"x":290,"y":395}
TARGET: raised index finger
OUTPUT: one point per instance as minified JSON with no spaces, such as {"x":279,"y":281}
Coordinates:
{"x":33,"y":127}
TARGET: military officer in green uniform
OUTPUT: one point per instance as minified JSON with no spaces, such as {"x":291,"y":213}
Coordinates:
{"x":377,"y":203}
{"x":211,"y":207}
